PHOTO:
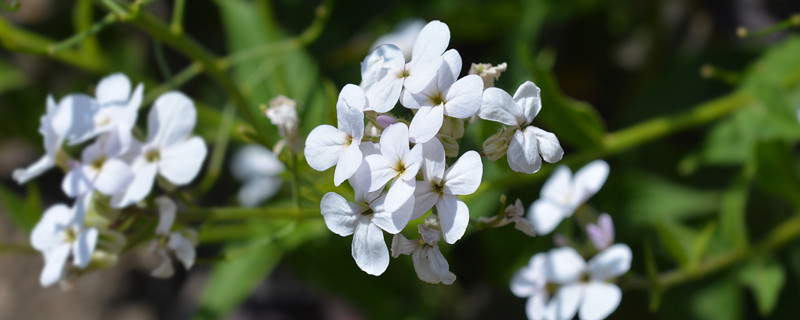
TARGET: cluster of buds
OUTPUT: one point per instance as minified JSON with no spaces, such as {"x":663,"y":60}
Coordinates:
{"x":115,"y":171}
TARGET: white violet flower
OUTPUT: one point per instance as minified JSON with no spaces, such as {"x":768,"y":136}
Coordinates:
{"x":529,"y":144}
{"x":531,"y":282}
{"x":259,"y":169}
{"x":396,"y":162}
{"x":181,"y":244}
{"x":429,"y":263}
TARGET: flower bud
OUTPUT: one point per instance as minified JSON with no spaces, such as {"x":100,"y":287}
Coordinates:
{"x":283,"y":114}
{"x":487,"y":72}
{"x":496,"y":146}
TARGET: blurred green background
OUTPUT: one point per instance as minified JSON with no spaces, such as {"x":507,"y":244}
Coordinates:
{"x":704,"y":183}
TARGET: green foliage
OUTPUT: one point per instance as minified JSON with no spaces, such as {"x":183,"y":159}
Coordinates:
{"x":24,"y":212}
{"x":765,"y":277}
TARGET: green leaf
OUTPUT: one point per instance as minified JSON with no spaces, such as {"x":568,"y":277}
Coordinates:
{"x":249,"y":262}
{"x":686,"y":245}
{"x":732,"y":212}
{"x":777,"y":170}
{"x":720,"y":300}
{"x":765,"y":278}
{"x":652,"y":199}
{"x":25,"y":213}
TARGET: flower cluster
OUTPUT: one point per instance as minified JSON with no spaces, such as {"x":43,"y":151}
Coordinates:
{"x":116,"y":169}
{"x":560,"y":283}
{"x":399,"y":168}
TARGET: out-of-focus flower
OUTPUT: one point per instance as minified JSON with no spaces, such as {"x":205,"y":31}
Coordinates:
{"x":488,"y":73}
{"x":531,"y":282}
{"x":601,"y":234}
{"x":562,"y":194}
{"x":258,"y":168}
{"x":529,"y":145}
{"x":179,"y":243}
{"x":429,"y":263}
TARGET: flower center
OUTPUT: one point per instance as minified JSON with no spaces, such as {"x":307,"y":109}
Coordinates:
{"x":97,"y":164}
{"x":367,"y":212}
{"x":70,"y":235}
{"x":400,"y":167}
{"x":437,"y":99}
{"x":153,"y":155}
{"x":403,"y":74}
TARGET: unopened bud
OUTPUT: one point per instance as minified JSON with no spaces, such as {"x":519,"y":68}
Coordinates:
{"x":497,"y":145}
{"x":487,"y":72}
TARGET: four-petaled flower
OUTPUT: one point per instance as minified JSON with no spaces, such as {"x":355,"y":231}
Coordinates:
{"x":180,"y":243}
{"x":396,"y":162}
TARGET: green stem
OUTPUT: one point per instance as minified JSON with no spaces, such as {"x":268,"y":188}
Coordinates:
{"x":294,"y":179}
{"x":108,"y":20}
{"x":218,"y":155}
{"x":173,"y":83}
{"x":780,"y":236}
{"x":177,"y":17}
{"x":237,"y":213}
{"x":792,"y":22}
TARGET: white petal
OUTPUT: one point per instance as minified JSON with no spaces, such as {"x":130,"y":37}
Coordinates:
{"x":144,"y":175}
{"x":171,"y":120}
{"x":564,"y":265}
{"x":255,"y":160}
{"x":349,"y":161}
{"x":394,"y":142}
{"x":412,"y":161}
{"x":545,"y":215}
{"x":164,"y":269}
{"x":424,"y":199}
{"x":258,"y":190}
{"x":440,"y":266}
{"x":453,"y":61}
{"x":433,"y":161}
{"x":558,"y":185}
{"x":183,"y":248}
{"x":431,"y":41}
{"x":565,"y":303}
{"x":78,"y":181}
{"x":497,"y":105}
{"x":549,"y":147}
{"x":589,"y":179}
{"x":453,"y":217}
{"x":431,"y":266}
{"x":380,"y":172}
{"x":384,"y":94}
{"x":181,"y":162}
{"x":429,"y":235}
{"x":464,"y":97}
{"x":340,"y":216}
{"x":464,"y":176}
{"x":536,"y":307}
{"x":34,"y":170}
{"x":136,"y":99}
{"x":426,"y":123}
{"x":369,"y":249}
{"x":402,"y":245}
{"x":392,"y":221}
{"x":46,"y":234}
{"x":523,"y":152}
{"x":113,"y":177}
{"x":54,"y":261}
{"x":323,"y":146}
{"x":76,"y":112}
{"x":399,"y":194}
{"x":350,"y":112}
{"x":531,"y":279}
{"x":527,"y":99}
{"x":611,"y":263}
{"x":166,"y":215}
{"x":599,"y":300}
{"x":114,"y":89}
{"x":83,"y":247}
{"x":421,"y":73}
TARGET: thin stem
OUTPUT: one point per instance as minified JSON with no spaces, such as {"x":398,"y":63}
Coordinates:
{"x":108,"y":20}
{"x":161,"y":61}
{"x":792,"y":22}
{"x":295,"y":183}
{"x":178,"y":80}
{"x":218,"y":155}
{"x":177,"y":17}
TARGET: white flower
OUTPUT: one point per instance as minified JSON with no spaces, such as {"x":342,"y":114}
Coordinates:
{"x":444,"y":96}
{"x":562,"y":194}
{"x":601,"y":234}
{"x":116,"y":110}
{"x":487,"y":72}
{"x":385,"y":73}
{"x":529,"y":144}
{"x":442,"y":187}
{"x":395,"y":162}
{"x":100,"y":168}
{"x":514,"y":213}
{"x":531,"y":282}
{"x":55,"y":126}
{"x":364,"y":220}
{"x":402,"y":36}
{"x":181,"y":244}
{"x":61,"y":234}
{"x":592,"y":298}
{"x":283,"y":114}
{"x":429,"y":263}
{"x":327,"y":146}
{"x":170,"y":150}
{"x":258,"y":168}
